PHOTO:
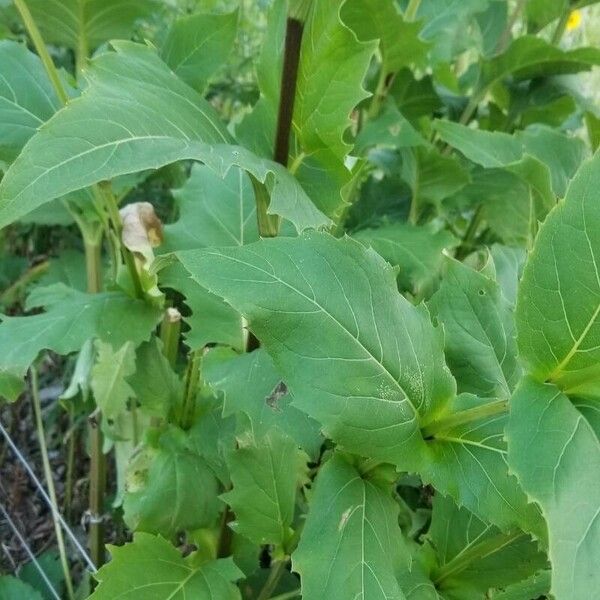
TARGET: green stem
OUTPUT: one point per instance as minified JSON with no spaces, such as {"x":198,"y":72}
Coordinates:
{"x":35,"y":395}
{"x":383,"y":84}
{"x":505,"y":37}
{"x":288,"y":595}
{"x":411,"y":10}
{"x":225,"y":534}
{"x":10,"y":294}
{"x":273,"y":579}
{"x":268,"y":225}
{"x":170,"y":329}
{"x":40,"y":47}
{"x":473,"y":553}
{"x":97,"y":489}
{"x":70,"y":463}
{"x":93,"y":265}
{"x":561,"y":26}
{"x":192,"y":378}
{"x":469,"y":237}
{"x":465,"y":416}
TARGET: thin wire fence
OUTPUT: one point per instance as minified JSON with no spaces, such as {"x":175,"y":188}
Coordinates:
{"x":76,"y":544}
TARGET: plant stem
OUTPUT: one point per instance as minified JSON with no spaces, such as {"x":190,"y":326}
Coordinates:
{"x":97,"y":489}
{"x":10,"y":294}
{"x":289,"y":76}
{"x":192,"y":377}
{"x":505,"y":37}
{"x":37,"y":408}
{"x":268,"y":225}
{"x":93,"y":264}
{"x":411,"y":10}
{"x":561,"y":26}
{"x":288,"y":595}
{"x":169,"y":334}
{"x":465,"y":416}
{"x":273,"y":579}
{"x":225,"y":534}
{"x":70,"y":464}
{"x":469,"y":237}
{"x":40,"y":47}
{"x":473,"y":553}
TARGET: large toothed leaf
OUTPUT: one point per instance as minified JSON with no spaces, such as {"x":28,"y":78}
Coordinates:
{"x":416,"y":251}
{"x":561,"y":153}
{"x":88,"y":23}
{"x":72,"y":318}
{"x":27,"y":98}
{"x":351,"y":545}
{"x":109,"y":377}
{"x":333,"y":64}
{"x":399,"y":40}
{"x":356,"y":355}
{"x":12,"y":588}
{"x":479,"y":332}
{"x":555,"y":453}
{"x":213,"y":211}
{"x":136,"y":115}
{"x":558,"y":308}
{"x":254,"y":392}
{"x":473,"y":557}
{"x":265,"y":475}
{"x":170,"y":488}
{"x":469,"y":463}
{"x":530,"y":56}
{"x":198,"y":45}
{"x":152,"y":563}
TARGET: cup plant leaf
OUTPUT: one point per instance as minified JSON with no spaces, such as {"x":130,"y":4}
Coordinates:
{"x":151,"y":562}
{"x":354,"y":521}
{"x":139,"y":91}
{"x":265,"y":474}
{"x":27,"y":99}
{"x":197,"y":45}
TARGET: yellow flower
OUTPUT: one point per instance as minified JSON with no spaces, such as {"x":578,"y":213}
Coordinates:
{"x":574,"y":20}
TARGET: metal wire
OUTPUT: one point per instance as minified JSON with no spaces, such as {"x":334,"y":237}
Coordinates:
{"x":42,"y":491}
{"x":27,"y":549}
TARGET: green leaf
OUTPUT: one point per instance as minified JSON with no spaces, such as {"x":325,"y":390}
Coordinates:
{"x":333,"y":64}
{"x":529,"y":57}
{"x":88,"y":22}
{"x":170,"y":488}
{"x":155,"y":119}
{"x":154,"y":383}
{"x":27,"y":98}
{"x":473,"y":557}
{"x":12,"y":588}
{"x":112,"y":317}
{"x":390,"y":130}
{"x":109,"y":377}
{"x":508,"y":264}
{"x":49,"y":562}
{"x":561,"y":153}
{"x":486,"y":148}
{"x":351,"y":545}
{"x":152,"y":562}
{"x":416,"y":251}
{"x":559,"y":297}
{"x":356,"y":355}
{"x":399,"y":40}
{"x":540,"y":13}
{"x":468,"y":462}
{"x":198,"y":45}
{"x":265,"y":474}
{"x":432,"y":176}
{"x":479,"y":332}
{"x":532,"y":588}
{"x":213,"y":211}
{"x":254,"y":392}
{"x":556,"y":455}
